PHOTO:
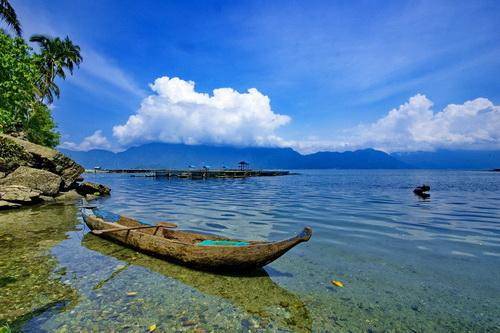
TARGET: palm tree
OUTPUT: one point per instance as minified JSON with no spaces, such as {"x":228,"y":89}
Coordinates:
{"x":56,"y":56}
{"x":8,"y":14}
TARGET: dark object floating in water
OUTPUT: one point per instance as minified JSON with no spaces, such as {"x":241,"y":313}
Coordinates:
{"x":188,"y":248}
{"x":421,"y":191}
{"x":496,"y":170}
{"x":423,"y":195}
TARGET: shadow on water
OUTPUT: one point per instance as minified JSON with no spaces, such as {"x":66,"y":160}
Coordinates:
{"x":28,"y":284}
{"x":253,"y":292}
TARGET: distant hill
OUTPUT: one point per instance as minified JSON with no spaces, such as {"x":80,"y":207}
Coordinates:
{"x":452,"y":159}
{"x":164,"y":155}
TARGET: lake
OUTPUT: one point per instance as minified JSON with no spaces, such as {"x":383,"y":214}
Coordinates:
{"x":407,"y":264}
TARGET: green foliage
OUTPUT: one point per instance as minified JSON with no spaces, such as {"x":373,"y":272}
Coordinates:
{"x":9,"y":148}
{"x":18,"y":74}
{"x":41,"y":127}
{"x":21,"y":108}
{"x":57,"y":55}
{"x":5,"y":329}
{"x":11,"y":156}
{"x":27,"y":79}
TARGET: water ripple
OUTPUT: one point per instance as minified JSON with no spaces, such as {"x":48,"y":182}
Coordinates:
{"x":342,"y":205}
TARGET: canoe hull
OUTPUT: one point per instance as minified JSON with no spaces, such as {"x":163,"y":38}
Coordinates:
{"x":205,"y":257}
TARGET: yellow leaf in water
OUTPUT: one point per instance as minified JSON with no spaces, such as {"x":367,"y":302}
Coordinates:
{"x":152,"y":327}
{"x":131,"y":293}
{"x":337,"y":283}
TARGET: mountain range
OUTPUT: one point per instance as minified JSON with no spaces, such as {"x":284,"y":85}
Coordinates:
{"x":180,"y":156}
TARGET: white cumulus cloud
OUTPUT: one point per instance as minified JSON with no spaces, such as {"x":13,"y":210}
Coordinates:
{"x":94,"y":141}
{"x":416,"y":126}
{"x":177,"y":113}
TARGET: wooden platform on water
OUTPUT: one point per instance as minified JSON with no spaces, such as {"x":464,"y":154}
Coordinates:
{"x":195,"y":174}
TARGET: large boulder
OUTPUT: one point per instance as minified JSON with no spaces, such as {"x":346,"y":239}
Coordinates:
{"x":68,"y":170}
{"x":30,"y":173}
{"x":12,"y":155}
{"x":18,"y":193}
{"x":93,"y":188}
{"x":44,"y":181}
{"x":15,"y":152}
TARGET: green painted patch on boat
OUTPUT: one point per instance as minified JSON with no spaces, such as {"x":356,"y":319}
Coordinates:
{"x":209,"y":242}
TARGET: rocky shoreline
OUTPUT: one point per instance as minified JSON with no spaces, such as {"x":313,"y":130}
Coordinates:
{"x":30,"y":174}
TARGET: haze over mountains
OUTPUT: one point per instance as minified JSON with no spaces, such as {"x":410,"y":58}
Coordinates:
{"x":452,"y":159}
{"x":165,"y":155}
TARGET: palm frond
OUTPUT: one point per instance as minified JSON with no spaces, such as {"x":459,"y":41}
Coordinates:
{"x":8,"y":14}
{"x":42,"y":40}
{"x":56,"y":56}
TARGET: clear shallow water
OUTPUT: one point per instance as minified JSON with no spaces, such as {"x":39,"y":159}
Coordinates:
{"x":407,"y":264}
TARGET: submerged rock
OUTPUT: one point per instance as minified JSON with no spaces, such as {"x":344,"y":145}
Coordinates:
{"x":44,"y":181}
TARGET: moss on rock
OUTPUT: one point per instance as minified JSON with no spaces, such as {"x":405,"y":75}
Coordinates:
{"x":12,"y":155}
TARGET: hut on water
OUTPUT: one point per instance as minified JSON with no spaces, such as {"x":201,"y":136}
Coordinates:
{"x":243,"y":165}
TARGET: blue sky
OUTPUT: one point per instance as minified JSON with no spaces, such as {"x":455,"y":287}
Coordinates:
{"x":332,"y":72}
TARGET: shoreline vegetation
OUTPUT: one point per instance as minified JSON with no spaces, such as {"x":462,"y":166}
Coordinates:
{"x":28,"y":85}
{"x":28,"y":80}
{"x":30,"y":170}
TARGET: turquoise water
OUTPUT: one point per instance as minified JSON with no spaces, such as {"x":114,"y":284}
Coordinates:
{"x":407,"y":264}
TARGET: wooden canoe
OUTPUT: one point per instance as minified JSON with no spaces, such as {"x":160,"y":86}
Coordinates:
{"x":184,"y":247}
{"x":266,"y":296}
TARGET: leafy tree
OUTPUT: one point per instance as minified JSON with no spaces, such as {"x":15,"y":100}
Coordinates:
{"x":27,"y":79}
{"x":40,"y":127}
{"x":9,"y":16}
{"x":20,"y":107}
{"x":18,"y":75}
{"x":57,"y":55}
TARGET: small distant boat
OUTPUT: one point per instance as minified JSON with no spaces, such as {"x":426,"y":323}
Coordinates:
{"x":421,"y":191}
{"x":188,"y":248}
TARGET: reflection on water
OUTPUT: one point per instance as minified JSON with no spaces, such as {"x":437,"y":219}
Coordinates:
{"x":407,"y":264}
